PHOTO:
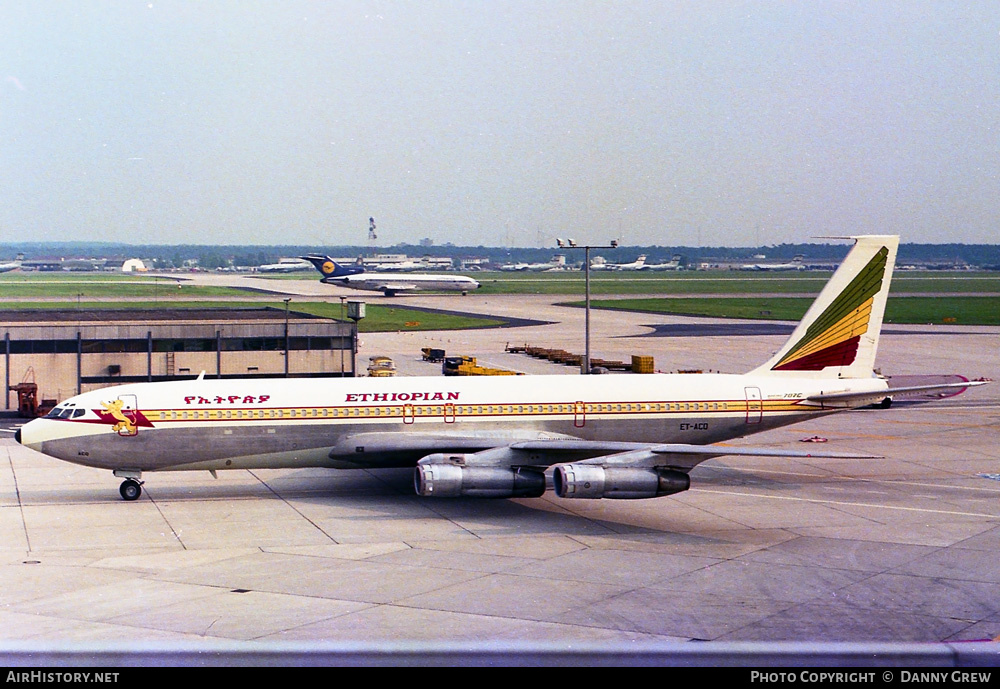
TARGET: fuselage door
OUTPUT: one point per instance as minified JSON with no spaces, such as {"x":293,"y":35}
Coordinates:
{"x":579,"y":414}
{"x":755,"y":407}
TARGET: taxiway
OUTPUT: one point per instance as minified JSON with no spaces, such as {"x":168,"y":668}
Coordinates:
{"x":900,"y":549}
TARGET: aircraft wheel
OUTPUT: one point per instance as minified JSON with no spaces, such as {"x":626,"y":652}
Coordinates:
{"x":130,"y":489}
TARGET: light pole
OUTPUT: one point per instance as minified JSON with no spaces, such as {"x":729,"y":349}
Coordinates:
{"x":288,"y":299}
{"x":355,"y":311}
{"x":344,"y":320}
{"x":570,"y":244}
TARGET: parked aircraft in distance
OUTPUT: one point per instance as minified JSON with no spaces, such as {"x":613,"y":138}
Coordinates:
{"x":673,"y":264}
{"x":398,"y":262}
{"x":600,"y":264}
{"x":557,"y":262}
{"x":390,"y":284}
{"x":8,"y":266}
{"x":795,"y":264}
{"x":285,"y":265}
{"x":609,"y":436}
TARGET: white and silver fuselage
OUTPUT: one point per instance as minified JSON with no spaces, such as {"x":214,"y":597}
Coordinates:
{"x":273,"y":423}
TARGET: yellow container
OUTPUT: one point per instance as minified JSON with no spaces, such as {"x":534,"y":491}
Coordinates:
{"x":643,"y":364}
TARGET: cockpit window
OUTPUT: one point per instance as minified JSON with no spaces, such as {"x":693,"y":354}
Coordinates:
{"x":54,"y":414}
{"x":77,"y":413}
{"x":66,"y":414}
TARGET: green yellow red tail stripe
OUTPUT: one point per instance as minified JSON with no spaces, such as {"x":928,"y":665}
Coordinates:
{"x":833,"y":338}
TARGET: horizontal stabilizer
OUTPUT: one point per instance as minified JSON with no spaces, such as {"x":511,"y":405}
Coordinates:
{"x":943,"y":389}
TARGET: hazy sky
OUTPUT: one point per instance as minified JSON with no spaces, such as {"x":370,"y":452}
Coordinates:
{"x":499,"y":122}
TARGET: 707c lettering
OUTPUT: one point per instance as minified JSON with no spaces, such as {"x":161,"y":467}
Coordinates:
{"x":702,"y":426}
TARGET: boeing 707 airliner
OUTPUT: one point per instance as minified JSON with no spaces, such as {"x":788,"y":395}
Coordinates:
{"x":609,"y":436}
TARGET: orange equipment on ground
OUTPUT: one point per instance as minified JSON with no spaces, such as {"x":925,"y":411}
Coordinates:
{"x":28,"y":404}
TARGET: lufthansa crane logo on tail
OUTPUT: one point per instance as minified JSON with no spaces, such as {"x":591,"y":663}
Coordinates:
{"x":328,"y":268}
{"x":833,"y":338}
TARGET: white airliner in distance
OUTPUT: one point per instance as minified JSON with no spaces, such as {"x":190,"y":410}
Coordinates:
{"x":673,"y":264}
{"x":637,"y":264}
{"x":608,"y":436}
{"x":390,"y":284}
{"x":398,"y":263}
{"x":8,"y":266}
{"x":794,"y":264}
{"x":557,"y":262}
{"x":285,"y":265}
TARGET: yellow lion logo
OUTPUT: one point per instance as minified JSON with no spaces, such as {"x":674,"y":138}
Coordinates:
{"x":124,"y":423}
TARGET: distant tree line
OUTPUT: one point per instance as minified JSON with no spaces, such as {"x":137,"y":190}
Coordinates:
{"x":213,"y":257}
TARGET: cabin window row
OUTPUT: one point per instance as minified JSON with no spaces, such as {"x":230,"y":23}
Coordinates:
{"x":445,"y":410}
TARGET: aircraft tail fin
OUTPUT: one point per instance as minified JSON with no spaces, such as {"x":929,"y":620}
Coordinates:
{"x":838,"y":336}
{"x":327,"y":267}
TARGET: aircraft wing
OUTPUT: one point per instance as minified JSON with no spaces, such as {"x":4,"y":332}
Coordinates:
{"x":675,"y":455}
{"x":580,"y":468}
{"x":537,"y":449}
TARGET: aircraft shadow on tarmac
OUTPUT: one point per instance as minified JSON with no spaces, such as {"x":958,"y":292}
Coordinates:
{"x":386,"y":496}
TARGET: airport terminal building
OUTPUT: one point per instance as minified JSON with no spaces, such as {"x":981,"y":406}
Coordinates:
{"x":66,"y":352}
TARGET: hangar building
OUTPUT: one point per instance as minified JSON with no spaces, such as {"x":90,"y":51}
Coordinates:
{"x":71,"y":351}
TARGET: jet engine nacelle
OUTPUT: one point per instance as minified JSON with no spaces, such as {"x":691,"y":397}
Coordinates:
{"x":594,"y":481}
{"x":451,"y":480}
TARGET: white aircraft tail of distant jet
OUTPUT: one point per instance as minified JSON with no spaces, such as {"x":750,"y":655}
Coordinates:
{"x":390,"y":284}
{"x":608,"y":436}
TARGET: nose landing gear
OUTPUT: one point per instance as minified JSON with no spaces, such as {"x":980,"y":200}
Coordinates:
{"x":131,"y":487}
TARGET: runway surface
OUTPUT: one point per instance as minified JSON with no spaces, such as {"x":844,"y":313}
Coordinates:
{"x":900,"y":549}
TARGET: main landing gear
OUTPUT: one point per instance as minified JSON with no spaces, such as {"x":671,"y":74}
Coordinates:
{"x":131,"y":487}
